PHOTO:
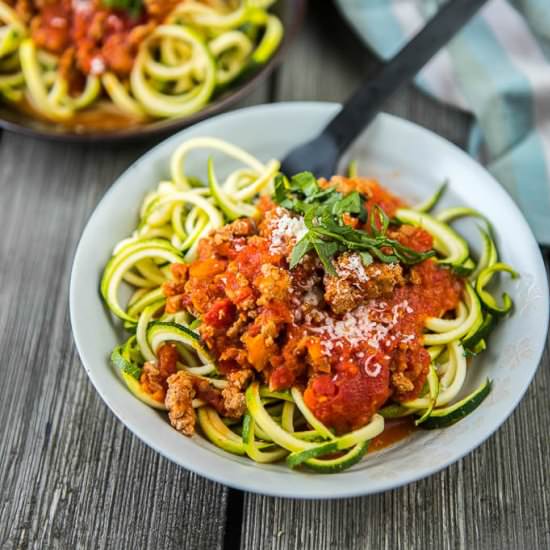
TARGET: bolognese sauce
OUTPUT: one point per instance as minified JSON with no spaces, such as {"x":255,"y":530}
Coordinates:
{"x":350,"y":340}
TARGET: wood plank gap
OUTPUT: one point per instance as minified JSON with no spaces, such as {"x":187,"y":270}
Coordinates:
{"x":233,"y":520}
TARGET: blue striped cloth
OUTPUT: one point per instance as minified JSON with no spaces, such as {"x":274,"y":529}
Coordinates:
{"x":498,"y":68}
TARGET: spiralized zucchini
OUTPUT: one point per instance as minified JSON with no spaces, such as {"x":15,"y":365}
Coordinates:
{"x":278,"y":425}
{"x":196,"y":53}
{"x":12,"y":34}
{"x":175,"y":217}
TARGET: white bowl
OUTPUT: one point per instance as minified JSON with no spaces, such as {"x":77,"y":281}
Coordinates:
{"x":408,"y":159}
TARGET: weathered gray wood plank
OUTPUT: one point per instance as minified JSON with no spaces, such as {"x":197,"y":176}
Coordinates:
{"x":71,"y":476}
{"x":498,"y":497}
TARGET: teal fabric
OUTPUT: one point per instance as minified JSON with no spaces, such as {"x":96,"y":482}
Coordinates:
{"x":499,"y":65}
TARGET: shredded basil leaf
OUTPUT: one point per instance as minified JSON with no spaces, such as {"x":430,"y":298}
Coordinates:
{"x":306,"y":183}
{"x":323,"y":211}
{"x":133,"y":7}
{"x":326,"y":251}
{"x":302,"y":247}
{"x":352,"y":203}
{"x":366,"y":258}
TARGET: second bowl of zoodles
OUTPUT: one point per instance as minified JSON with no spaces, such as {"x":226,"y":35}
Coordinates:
{"x":117,"y":66}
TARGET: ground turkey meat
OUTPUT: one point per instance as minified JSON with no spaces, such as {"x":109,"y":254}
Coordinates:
{"x":226,"y":241}
{"x":273,"y":284}
{"x":179,"y":399}
{"x":356,"y":284}
{"x":234,"y":401}
{"x":152,"y":381}
{"x":401,"y":383}
{"x":160,"y":8}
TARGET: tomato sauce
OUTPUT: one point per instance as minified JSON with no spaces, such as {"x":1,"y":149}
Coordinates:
{"x":353,"y":394}
{"x":394,"y":430}
{"x":91,"y":37}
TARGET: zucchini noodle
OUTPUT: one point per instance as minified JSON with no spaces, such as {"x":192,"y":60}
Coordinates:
{"x":279,"y":425}
{"x":12,"y":33}
{"x":180,"y":66}
{"x":230,"y":51}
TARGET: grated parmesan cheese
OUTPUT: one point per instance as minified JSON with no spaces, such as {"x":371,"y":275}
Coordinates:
{"x":312,"y":298}
{"x":352,"y":265}
{"x":97,"y":66}
{"x":360,"y":325}
{"x":285,"y":228}
{"x":58,"y":22}
{"x":82,"y":5}
{"x":372,"y":370}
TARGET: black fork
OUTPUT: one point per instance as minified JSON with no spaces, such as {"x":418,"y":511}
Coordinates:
{"x":321,"y":155}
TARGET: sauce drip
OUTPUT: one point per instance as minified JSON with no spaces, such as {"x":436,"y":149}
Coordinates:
{"x":394,"y":430}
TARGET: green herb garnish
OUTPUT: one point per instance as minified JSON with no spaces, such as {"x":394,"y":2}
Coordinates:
{"x":133,"y":7}
{"x":323,"y":211}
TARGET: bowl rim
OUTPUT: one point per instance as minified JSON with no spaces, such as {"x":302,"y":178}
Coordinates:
{"x":162,"y":127}
{"x":314,"y":493}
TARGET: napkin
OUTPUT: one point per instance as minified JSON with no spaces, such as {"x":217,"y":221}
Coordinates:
{"x":498,"y":68}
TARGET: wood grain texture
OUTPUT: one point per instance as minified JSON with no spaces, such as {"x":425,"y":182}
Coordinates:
{"x":71,"y":475}
{"x":496,"y":498}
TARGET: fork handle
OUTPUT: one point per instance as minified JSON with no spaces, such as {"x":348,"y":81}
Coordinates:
{"x":388,"y":77}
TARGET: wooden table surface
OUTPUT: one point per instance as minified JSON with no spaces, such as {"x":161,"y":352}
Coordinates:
{"x":71,"y":475}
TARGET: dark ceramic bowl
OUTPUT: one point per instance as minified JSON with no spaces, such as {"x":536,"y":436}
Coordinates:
{"x":291,"y":13}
